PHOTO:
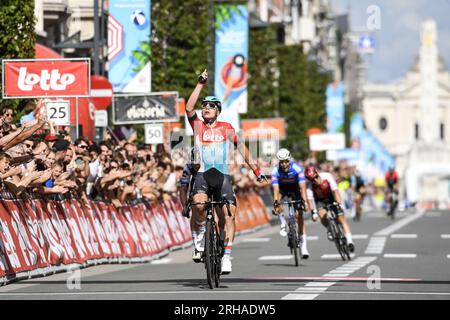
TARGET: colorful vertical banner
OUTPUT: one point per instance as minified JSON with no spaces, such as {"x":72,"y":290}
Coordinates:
{"x":231,"y":56}
{"x":129,"y":45}
{"x":335,"y":108}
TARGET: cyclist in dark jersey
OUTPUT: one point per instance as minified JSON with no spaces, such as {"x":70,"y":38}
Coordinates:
{"x":324,"y":191}
{"x":288,"y":180}
{"x":359,"y":191}
{"x":391,"y":178}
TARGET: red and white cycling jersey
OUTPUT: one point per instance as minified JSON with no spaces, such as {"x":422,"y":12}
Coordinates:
{"x":323,"y":191}
{"x":213,"y":144}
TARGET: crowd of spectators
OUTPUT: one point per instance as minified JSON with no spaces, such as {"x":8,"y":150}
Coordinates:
{"x":37,"y":158}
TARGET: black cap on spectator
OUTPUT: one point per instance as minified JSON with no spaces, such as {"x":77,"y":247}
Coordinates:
{"x":61,"y":145}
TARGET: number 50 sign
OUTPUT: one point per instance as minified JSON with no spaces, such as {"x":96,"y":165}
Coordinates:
{"x":58,"y":112}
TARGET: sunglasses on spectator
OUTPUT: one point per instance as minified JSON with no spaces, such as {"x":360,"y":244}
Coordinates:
{"x":82,"y":146}
{"x":28,"y":145}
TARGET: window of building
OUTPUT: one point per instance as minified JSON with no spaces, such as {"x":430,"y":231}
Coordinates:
{"x":442,"y":131}
{"x":416,"y":131}
{"x":383,"y":123}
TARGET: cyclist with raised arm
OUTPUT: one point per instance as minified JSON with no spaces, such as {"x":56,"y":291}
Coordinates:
{"x":325,"y":192}
{"x":215,"y":141}
{"x":288,"y":180}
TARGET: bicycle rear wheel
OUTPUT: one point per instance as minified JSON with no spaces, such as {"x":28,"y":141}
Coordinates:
{"x":343,"y":242}
{"x":210,"y":256}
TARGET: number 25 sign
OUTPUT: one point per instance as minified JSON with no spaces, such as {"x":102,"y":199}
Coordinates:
{"x":58,"y":112}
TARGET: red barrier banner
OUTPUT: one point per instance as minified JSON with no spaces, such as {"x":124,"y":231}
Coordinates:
{"x":37,"y":234}
{"x":87,"y":231}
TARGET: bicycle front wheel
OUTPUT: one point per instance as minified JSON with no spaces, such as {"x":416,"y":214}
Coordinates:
{"x":293,"y":240}
{"x":210,"y":254}
{"x":336,"y":237}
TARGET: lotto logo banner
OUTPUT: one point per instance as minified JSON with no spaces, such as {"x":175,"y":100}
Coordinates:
{"x":46,"y":78}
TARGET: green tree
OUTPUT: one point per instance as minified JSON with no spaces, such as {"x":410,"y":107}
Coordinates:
{"x":179,"y":44}
{"x":301,"y":96}
{"x":17,"y":36}
{"x":262,"y":82}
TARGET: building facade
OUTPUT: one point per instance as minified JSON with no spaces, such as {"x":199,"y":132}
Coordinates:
{"x":411,"y":117}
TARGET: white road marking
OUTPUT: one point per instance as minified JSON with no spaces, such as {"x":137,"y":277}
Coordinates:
{"x":312,"y":238}
{"x":360,"y":236}
{"x":320,"y":284}
{"x":400,"y":224}
{"x":269,"y":258}
{"x":376,"y":245}
{"x":330,"y":256}
{"x":445,"y":236}
{"x":300,"y":297}
{"x":312,"y":289}
{"x":448,"y":256}
{"x":400,"y":255}
{"x":220,"y":292}
{"x":162,"y":261}
{"x":338,"y":275}
{"x":404,"y":236}
{"x":256,"y":240}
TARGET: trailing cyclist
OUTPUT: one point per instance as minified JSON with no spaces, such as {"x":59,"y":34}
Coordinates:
{"x":288,"y":180}
{"x":324,"y":192}
{"x":392,"y":180}
{"x":215,"y":141}
{"x":186,"y":192}
{"x":359,"y":191}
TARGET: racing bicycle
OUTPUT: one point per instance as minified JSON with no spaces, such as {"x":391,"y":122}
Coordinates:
{"x":293,"y":241}
{"x":336,"y":231}
{"x":214,"y":245}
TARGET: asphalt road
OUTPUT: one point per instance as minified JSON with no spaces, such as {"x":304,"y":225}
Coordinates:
{"x":408,"y":258}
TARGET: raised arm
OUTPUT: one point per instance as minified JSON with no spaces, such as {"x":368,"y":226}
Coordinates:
{"x":190,"y":106}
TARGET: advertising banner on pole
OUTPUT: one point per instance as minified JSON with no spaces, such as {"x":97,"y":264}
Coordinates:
{"x":335,"y":108}
{"x":129,"y":45}
{"x":231,"y":56}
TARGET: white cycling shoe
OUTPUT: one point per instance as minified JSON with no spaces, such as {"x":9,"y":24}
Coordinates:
{"x":226,"y":265}
{"x":304,"y":250}
{"x":283,"y":230}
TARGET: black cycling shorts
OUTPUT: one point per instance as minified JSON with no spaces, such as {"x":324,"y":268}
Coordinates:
{"x":323,"y":204}
{"x":291,"y":191}
{"x":215,"y":184}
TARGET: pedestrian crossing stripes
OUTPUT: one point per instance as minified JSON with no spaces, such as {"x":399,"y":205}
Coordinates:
{"x":321,"y":287}
{"x":376,"y":245}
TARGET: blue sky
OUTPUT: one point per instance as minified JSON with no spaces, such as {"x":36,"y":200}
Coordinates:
{"x":397,"y":41}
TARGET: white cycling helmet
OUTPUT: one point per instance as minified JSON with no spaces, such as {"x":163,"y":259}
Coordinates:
{"x":283,"y":154}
